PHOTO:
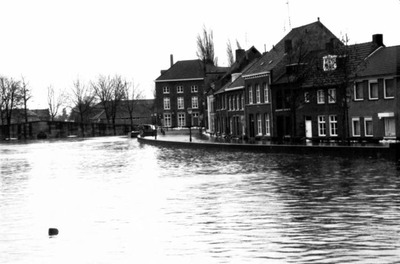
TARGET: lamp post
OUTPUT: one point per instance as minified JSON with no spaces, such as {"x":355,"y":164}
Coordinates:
{"x":189,"y":110}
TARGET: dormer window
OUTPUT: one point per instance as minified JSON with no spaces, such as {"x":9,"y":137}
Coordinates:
{"x":329,"y":62}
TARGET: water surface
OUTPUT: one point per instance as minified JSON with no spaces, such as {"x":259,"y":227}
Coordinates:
{"x":117,"y":201}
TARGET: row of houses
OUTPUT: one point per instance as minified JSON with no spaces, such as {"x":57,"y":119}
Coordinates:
{"x":310,"y":85}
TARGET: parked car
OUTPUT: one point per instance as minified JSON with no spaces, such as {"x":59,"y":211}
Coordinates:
{"x":135,"y":131}
{"x":147,"y":130}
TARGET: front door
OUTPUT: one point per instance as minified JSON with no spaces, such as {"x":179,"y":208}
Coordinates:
{"x":308,"y":129}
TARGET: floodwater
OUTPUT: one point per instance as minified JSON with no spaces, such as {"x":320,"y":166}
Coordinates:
{"x":115,"y":200}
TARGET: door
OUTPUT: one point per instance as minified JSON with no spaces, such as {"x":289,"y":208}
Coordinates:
{"x":308,"y":129}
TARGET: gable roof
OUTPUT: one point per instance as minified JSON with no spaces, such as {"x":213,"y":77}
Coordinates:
{"x":189,"y":69}
{"x":314,"y":35}
{"x":385,"y":61}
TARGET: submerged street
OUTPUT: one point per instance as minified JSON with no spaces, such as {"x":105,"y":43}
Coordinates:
{"x":115,"y":200}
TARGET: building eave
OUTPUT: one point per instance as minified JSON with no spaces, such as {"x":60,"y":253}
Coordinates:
{"x":256,"y":75}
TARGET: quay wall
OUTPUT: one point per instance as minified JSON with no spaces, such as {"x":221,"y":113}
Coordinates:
{"x":391,"y":152}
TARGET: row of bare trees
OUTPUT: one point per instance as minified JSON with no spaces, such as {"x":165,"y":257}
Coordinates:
{"x":106,"y":92}
{"x":13,"y":94}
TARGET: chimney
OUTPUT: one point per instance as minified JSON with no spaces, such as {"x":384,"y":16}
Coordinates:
{"x":288,"y":45}
{"x":239,"y":54}
{"x":172,"y":59}
{"x":377,"y":39}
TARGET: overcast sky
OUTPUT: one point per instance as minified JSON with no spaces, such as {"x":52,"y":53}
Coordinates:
{"x":55,"y":42}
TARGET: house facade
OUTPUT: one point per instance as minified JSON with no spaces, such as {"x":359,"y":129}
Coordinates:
{"x":228,"y":95}
{"x":374,"y":108}
{"x":180,"y":100}
{"x":269,"y":102}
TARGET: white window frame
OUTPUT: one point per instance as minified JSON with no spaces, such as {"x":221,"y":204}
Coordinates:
{"x":258,"y":94}
{"x":266,"y":92}
{"x":333,"y":126}
{"x":259,"y":125}
{"x":370,"y":90}
{"x":353,"y":120}
{"x":181,"y":116}
{"x":384,"y":88}
{"x":322,"y":126}
{"x":250,"y":94}
{"x":355,"y":91}
{"x":167,"y":103}
{"x":194,"y":88}
{"x":181,"y":103}
{"x":267,"y":125}
{"x":368,"y":119}
{"x":320,"y":97}
{"x":195,"y":102}
{"x":167,"y":120}
{"x":179,"y":89}
{"x":165,"y":90}
{"x":306,"y":97}
{"x":332,"y":96}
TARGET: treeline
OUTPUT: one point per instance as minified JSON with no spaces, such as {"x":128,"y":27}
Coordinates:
{"x":81,"y":98}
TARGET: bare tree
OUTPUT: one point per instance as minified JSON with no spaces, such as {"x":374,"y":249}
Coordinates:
{"x":55,"y":101}
{"x":229,"y":53}
{"x":132,"y":95}
{"x":10,"y":98}
{"x":205,"y":47}
{"x":26,"y":95}
{"x":110,"y":92}
{"x":83,"y":100}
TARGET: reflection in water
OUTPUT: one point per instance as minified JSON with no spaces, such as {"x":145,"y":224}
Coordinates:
{"x":115,"y":200}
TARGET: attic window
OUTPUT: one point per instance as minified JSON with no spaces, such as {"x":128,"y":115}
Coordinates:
{"x":329,"y":62}
{"x":262,"y":63}
{"x":270,"y":61}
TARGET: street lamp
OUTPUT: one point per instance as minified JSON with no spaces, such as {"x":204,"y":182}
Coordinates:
{"x":189,"y":110}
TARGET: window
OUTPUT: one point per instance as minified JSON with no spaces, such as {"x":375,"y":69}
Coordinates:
{"x":181,"y":120}
{"x":329,"y":62}
{"x":332,"y":96}
{"x":333,"y":128}
{"x":167,"y":103}
{"x":258,"y":95}
{"x":179,"y":89}
{"x":306,"y":97}
{"x":320,"y":97}
{"x":194,"y":88}
{"x":250,"y":95}
{"x":373,"y":90}
{"x":180,"y":103}
{"x":195,"y":102}
{"x":390,"y":127}
{"x":242,"y":101}
{"x":266,"y":93}
{"x":230,"y":103}
{"x":389,"y":88}
{"x":355,"y":122}
{"x":321,"y":126}
{"x":267,"y":125}
{"x":259,"y":124}
{"x":167,"y":120}
{"x":358,"y":91}
{"x":368,"y":126}
{"x":166,"y":89}
{"x":237,"y":102}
